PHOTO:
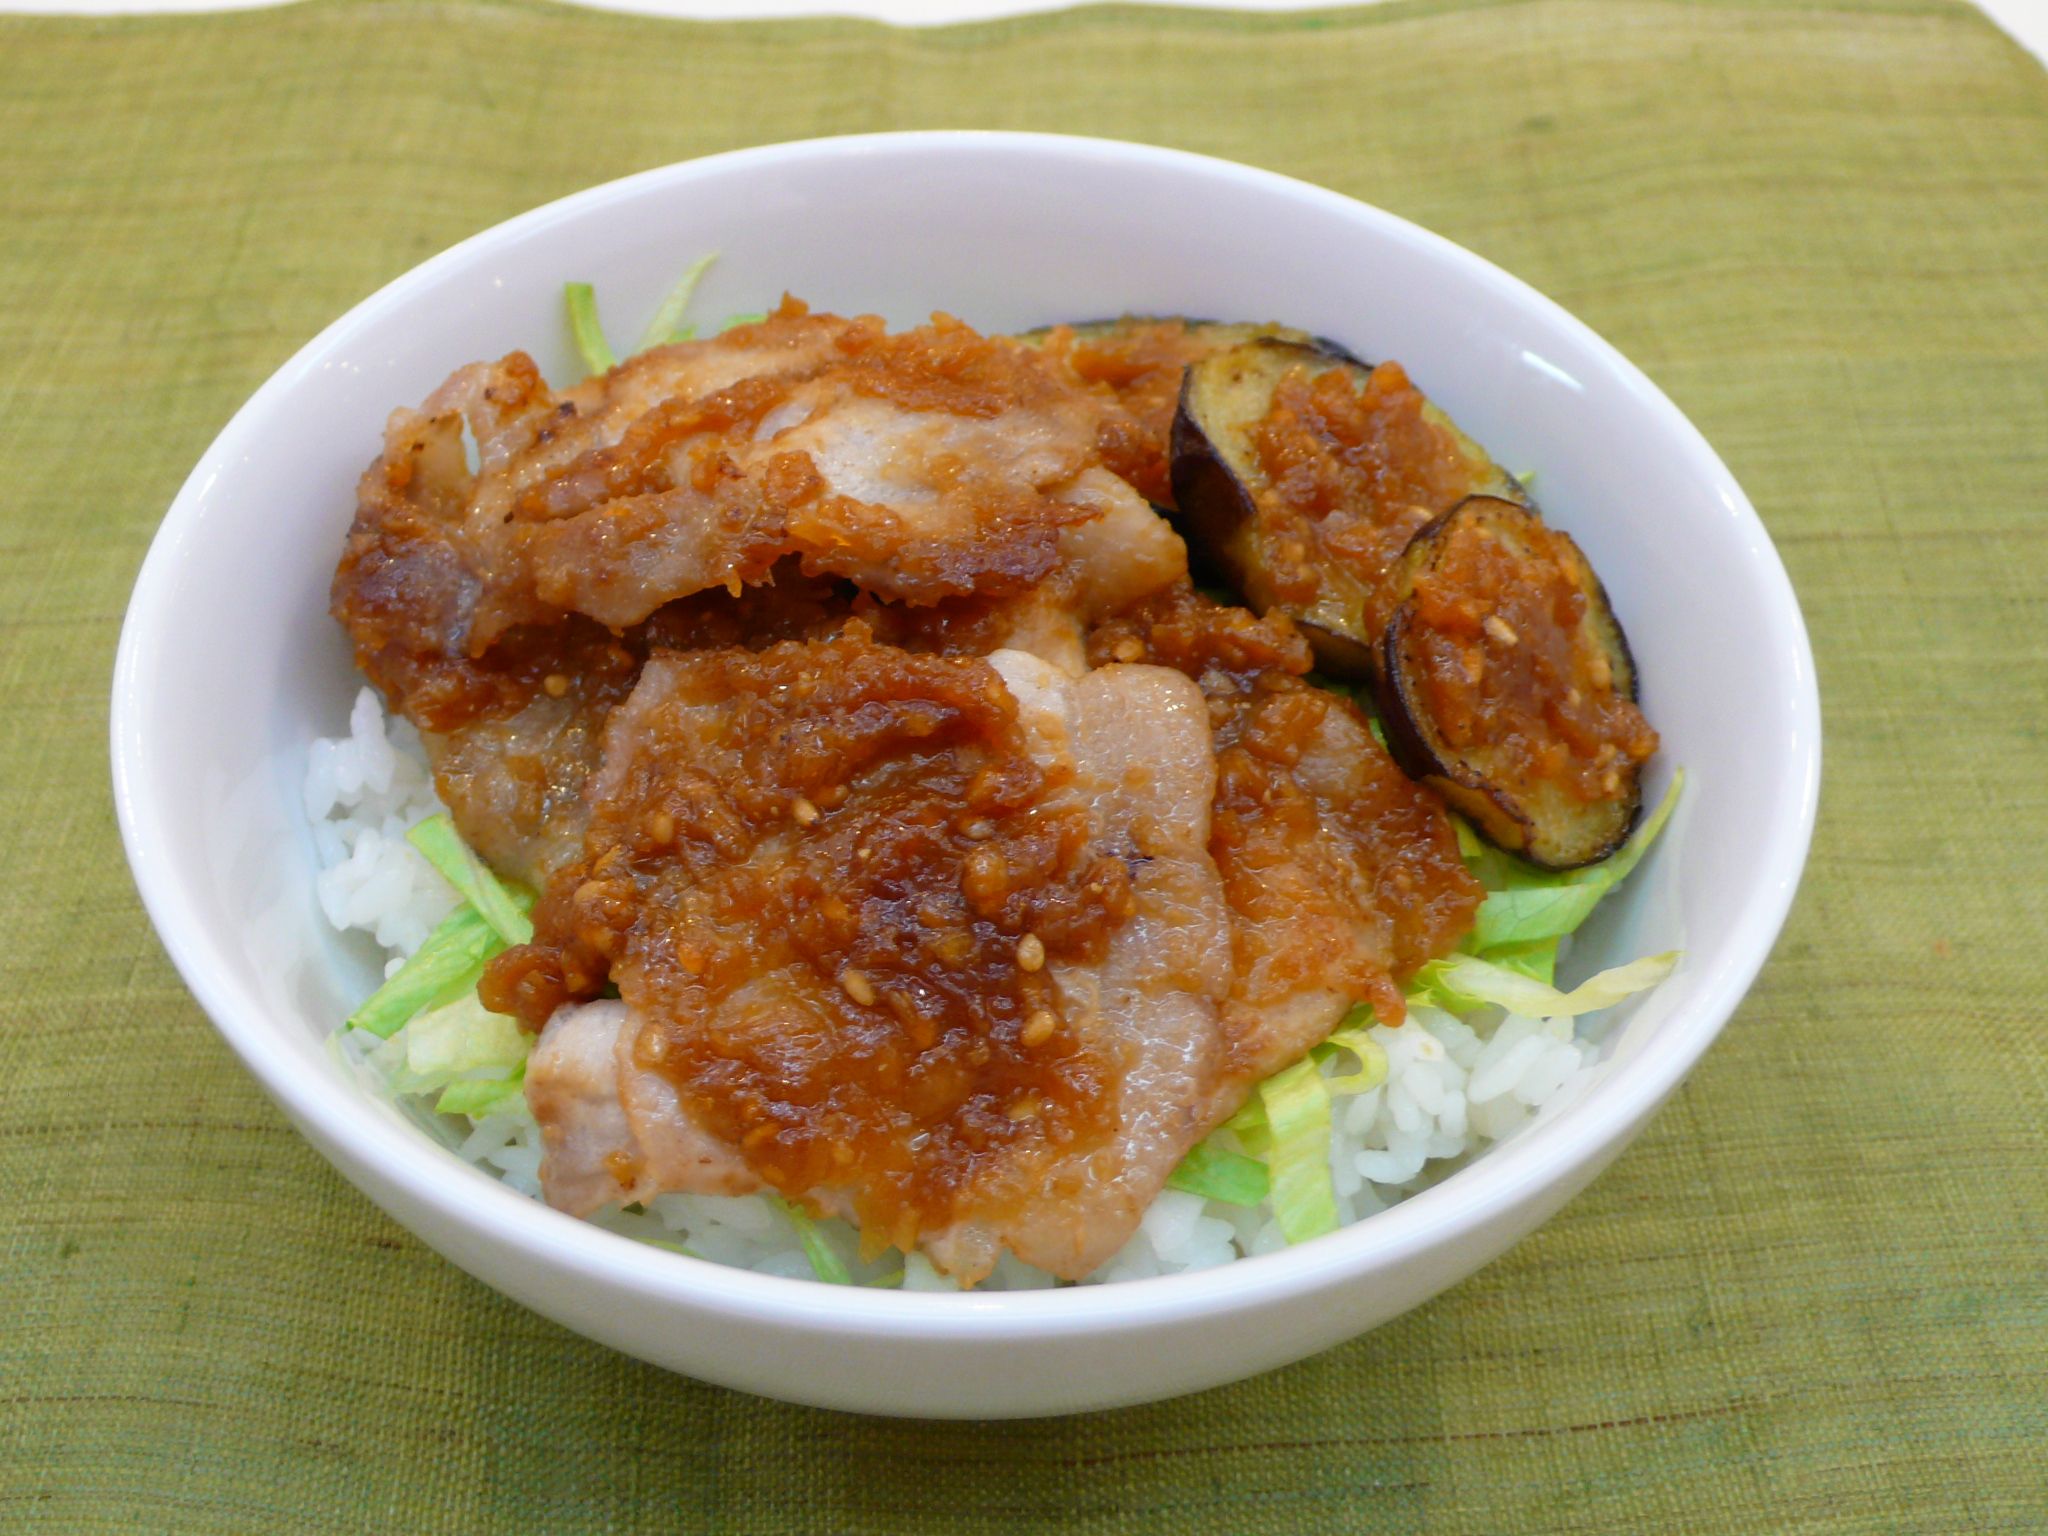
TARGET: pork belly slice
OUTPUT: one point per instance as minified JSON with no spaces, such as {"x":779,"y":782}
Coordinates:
{"x":934,"y":463}
{"x":1135,"y":742}
{"x":1342,"y":875}
{"x":610,"y":1132}
{"x":932,"y":943}
{"x":1121,"y":553}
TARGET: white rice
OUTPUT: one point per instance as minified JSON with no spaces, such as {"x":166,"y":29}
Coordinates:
{"x":363,"y":791}
{"x":1452,"y":1087}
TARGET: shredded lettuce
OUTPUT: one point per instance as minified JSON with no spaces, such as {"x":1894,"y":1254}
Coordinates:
{"x":481,"y":1099}
{"x":1460,"y":983}
{"x":450,"y":962}
{"x":1297,"y":1103}
{"x":1214,"y":1172}
{"x":825,"y":1264}
{"x":473,"y":1058}
{"x":1532,"y":915}
{"x":462,"y":1037}
{"x":501,"y":905}
{"x":754,"y":318}
{"x":1536,"y":959}
{"x":589,"y":333}
{"x":667,"y":324}
{"x":1527,"y":906}
{"x":1350,"y":1035}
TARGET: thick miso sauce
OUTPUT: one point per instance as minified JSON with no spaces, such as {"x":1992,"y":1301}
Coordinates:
{"x":1343,"y":875}
{"x":1354,"y":473}
{"x":825,"y":877}
{"x":1500,"y":639}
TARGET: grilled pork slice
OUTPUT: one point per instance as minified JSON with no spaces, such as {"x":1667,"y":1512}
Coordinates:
{"x":933,"y":943}
{"x":1342,"y":875}
{"x":933,"y":463}
{"x":506,"y":607}
{"x":614,"y":1133}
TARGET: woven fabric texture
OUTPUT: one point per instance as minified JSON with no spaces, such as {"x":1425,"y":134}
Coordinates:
{"x":1813,"y":1297}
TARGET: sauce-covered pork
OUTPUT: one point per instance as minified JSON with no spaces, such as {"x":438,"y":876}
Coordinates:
{"x":955,"y":868}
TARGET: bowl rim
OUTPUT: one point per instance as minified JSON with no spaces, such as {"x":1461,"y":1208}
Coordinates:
{"x":1549,"y":1155}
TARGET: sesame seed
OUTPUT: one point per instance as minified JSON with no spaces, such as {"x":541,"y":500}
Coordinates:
{"x":1128,"y":649}
{"x":1030,"y":952}
{"x":804,"y":812}
{"x":1500,"y":629}
{"x":1039,"y":1027}
{"x":555,"y":684}
{"x":858,"y":987}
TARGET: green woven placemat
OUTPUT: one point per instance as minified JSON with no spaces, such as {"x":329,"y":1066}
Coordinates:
{"x":1812,"y":1298}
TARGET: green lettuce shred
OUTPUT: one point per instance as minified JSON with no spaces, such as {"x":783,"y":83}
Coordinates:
{"x":463,"y":1037}
{"x":1536,"y":959}
{"x":1460,"y":983}
{"x":667,"y":324}
{"x":480,"y":1099}
{"x":1350,"y":1035}
{"x":1526,"y":906}
{"x":450,"y":962}
{"x":1214,"y":1172}
{"x":589,"y":333}
{"x":501,"y":905}
{"x":825,"y":1263}
{"x":1297,"y":1104}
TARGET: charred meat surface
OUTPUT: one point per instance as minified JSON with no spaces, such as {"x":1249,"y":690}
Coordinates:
{"x":1343,"y":875}
{"x":1507,"y":685}
{"x":1304,"y":473}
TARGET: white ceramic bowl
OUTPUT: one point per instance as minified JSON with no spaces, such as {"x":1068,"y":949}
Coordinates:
{"x":229,"y":665}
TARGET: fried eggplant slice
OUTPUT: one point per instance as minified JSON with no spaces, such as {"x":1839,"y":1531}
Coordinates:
{"x":1506,"y":683}
{"x":1301,"y":474}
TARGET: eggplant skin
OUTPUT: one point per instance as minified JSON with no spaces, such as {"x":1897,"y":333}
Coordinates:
{"x":1231,"y":515}
{"x":1542,"y":821}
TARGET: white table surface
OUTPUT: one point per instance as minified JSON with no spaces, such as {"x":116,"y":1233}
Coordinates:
{"x":2025,"y":20}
